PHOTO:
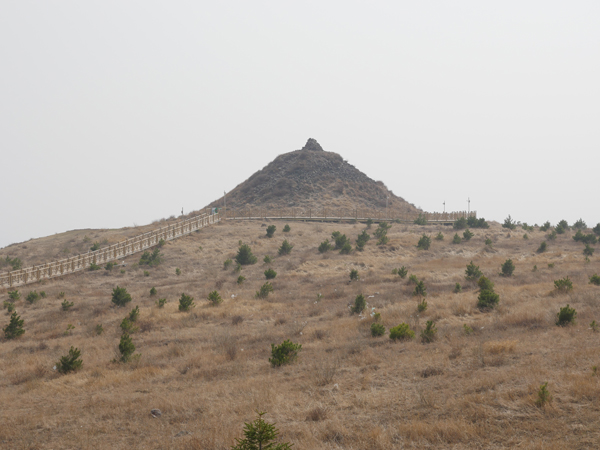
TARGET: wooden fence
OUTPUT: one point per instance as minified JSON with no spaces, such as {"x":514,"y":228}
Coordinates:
{"x":104,"y":255}
{"x":342,"y":214}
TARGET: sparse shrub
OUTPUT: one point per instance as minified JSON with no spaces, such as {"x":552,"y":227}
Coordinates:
{"x":580,"y":225}
{"x":509,"y":223}
{"x":109,"y":266}
{"x":439,"y":237}
{"x":488,"y":242}
{"x":241,"y":279}
{"x":588,"y":250}
{"x":95,"y":246}
{"x":271,"y":230}
{"x":456,"y":239}
{"x":14,"y":328}
{"x":177,"y":271}
{"x":236,"y":320}
{"x":267,"y":259}
{"x":146,"y":273}
{"x":474,"y":222}
{"x":94,"y":266}
{"x":467,"y":329}
{"x":134,"y":314}
{"x":122,"y":271}
{"x":543,"y":247}
{"x":526,"y":227}
{"x":460,"y":223}
{"x":422,"y":306}
{"x":552,"y":236}
{"x":563,"y":284}
{"x":420,"y":289}
{"x":238,"y":268}
{"x":152,"y":291}
{"x":534,"y":268}
{"x":285,"y":249}
{"x":595,"y":279}
{"x":429,"y":333}
{"x":507,"y":268}
{"x":70,"y":362}
{"x":550,"y":265}
{"x":325,"y":246}
{"x":525,"y":236}
{"x":421,"y":220}
{"x":99,"y":329}
{"x":69,"y":330}
{"x":596,"y":229}
{"x":227,"y":264}
{"x":545,"y":227}
{"x":401,"y":332}
{"x":377,"y":329}
{"x":161,"y":302}
{"x":61,"y":295}
{"x":32,"y":297}
{"x":286,"y":228}
{"x":186,"y":302}
{"x":214,"y":298}
{"x":561,"y":227}
{"x":162,"y":243}
{"x":485,"y":283}
{"x":260,"y":435}
{"x":467,"y":235}
{"x":376,"y":317}
{"x":354,"y":275}
{"x":382,"y":229}
{"x":565,"y":316}
{"x":127,"y":326}
{"x":594,"y":326}
{"x":66,"y":305}
{"x":9,"y":306}
{"x":14,"y":295}
{"x":457,"y":288}
{"x":413,"y":279}
{"x":394,"y":271}
{"x":369,"y":222}
{"x":543,"y":395}
{"x":244,"y":255}
{"x":424,"y":243}
{"x":362,"y":240}
{"x":487,"y":299}
{"x":120,"y":296}
{"x":126,"y":348}
{"x":270,"y":274}
{"x":359,"y":304}
{"x":285,"y":353}
{"x":346,"y":248}
{"x":264,"y":291}
{"x":150,"y":259}
{"x":472,"y":272}
{"x":43,"y":294}
{"x":402,"y":271}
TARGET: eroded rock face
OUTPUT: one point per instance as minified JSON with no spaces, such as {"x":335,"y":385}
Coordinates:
{"x":312,"y":178}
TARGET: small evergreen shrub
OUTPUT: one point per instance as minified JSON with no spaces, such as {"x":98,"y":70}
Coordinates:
{"x":285,"y":249}
{"x":126,"y":348}
{"x":467,"y":235}
{"x":146,"y":273}
{"x":161,"y":302}
{"x":325,"y":246}
{"x":14,"y":295}
{"x":214,"y":298}
{"x":270,"y":274}
{"x":595,"y":279}
{"x":70,"y":362}
{"x":66,"y":305}
{"x":545,"y":227}
{"x":150,"y":259}
{"x":264,"y":291}
{"x":487,"y":299}
{"x":285,"y":353}
{"x":594,"y":326}
{"x":485,"y":283}
{"x":552,"y":236}
{"x":507,"y":268}
{"x":457,"y":288}
{"x":413,"y":279}
{"x":354,"y":275}
{"x":120,"y":296}
{"x":550,"y":265}
{"x":566,"y":316}
{"x":420,"y":289}
{"x":424,"y":243}
{"x":596,"y":229}
{"x":32,"y":297}
{"x":162,"y":243}
{"x":362,"y":240}
{"x":244,"y":256}
{"x":401,"y":332}
{"x":382,"y":229}
{"x":422,"y":306}
{"x":359,"y":304}
{"x":238,"y":268}
{"x":69,"y":330}
{"x":394,"y":271}
{"x":99,"y":329}
{"x":109,"y":266}
{"x":9,"y":306}
{"x":439,"y":237}
{"x":95,"y":246}
{"x":509,"y":223}
{"x":467,"y":329}
{"x":227,"y":264}
{"x":286,"y":228}
{"x":177,"y":271}
{"x":43,"y":294}
{"x":271,"y":230}
{"x":421,"y":220}
{"x":472,"y":272}
{"x":460,"y":223}
{"x":377,"y":329}
{"x":369,"y":222}
{"x":14,"y":328}
{"x":543,"y":247}
{"x":488,"y":242}
{"x":346,"y":248}
{"x":563,"y":285}
{"x":534,"y":268}
{"x":543,"y":395}
{"x":474,"y":222}
{"x":561,"y":227}
{"x":267,"y":259}
{"x":456,"y":239}
{"x":588,"y":250}
{"x":240,"y":279}
{"x":402,"y":271}
{"x":339,"y":239}
{"x":134,"y":314}
{"x":127,"y":326}
{"x":383,"y":240}
{"x":94,"y":266}
{"x":429,"y":333}
{"x":186,"y":302}
{"x":260,"y":435}
{"x":152,"y":291}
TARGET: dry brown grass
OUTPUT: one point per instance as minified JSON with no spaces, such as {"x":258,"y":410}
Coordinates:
{"x":207,"y":370}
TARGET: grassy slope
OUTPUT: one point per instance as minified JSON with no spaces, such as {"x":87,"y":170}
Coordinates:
{"x":347,"y":390}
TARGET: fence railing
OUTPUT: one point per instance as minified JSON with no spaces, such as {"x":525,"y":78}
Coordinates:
{"x":111,"y":253}
{"x":343,"y":214}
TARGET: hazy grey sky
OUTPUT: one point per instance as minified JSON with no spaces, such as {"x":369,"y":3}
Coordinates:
{"x":120,"y":112}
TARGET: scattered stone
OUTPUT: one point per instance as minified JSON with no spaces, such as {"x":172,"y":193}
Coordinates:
{"x":155,"y":413}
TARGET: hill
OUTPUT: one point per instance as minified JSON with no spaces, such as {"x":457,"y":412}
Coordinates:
{"x":312,"y":178}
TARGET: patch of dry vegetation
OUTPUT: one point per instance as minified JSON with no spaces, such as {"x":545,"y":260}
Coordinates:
{"x":207,"y":370}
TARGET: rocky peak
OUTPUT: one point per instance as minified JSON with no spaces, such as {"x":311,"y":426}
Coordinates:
{"x":312,"y":145}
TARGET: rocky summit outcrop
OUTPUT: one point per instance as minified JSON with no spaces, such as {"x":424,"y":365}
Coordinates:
{"x":312,"y":178}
